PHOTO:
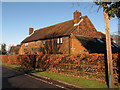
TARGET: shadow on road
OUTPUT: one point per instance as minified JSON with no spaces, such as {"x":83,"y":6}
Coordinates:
{"x":5,"y":83}
{"x":6,"y":75}
{"x":16,"y":75}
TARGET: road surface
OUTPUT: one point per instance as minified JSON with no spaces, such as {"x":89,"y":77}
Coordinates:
{"x":13,"y":79}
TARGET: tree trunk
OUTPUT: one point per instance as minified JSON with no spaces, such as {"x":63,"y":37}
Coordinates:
{"x":109,"y":50}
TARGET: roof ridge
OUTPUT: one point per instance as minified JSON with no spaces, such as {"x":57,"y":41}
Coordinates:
{"x":56,"y":24}
{"x":53,"y":25}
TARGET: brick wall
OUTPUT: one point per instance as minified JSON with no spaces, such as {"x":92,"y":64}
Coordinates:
{"x":50,"y":47}
{"x":70,"y":45}
{"x":76,"y":46}
{"x":31,"y":48}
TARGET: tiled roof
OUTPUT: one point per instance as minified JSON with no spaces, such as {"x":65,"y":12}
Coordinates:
{"x":63,"y":29}
{"x":14,"y":48}
{"x":95,"y":45}
{"x":57,"y":30}
{"x":86,"y":28}
{"x":101,"y":34}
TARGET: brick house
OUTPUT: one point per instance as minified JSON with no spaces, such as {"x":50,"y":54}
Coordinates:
{"x":14,"y":50}
{"x":71,"y":37}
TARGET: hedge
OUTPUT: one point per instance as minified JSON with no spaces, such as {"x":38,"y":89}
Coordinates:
{"x":91,"y":66}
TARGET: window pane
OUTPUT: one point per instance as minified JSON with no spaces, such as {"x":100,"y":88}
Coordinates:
{"x":35,"y":43}
{"x":60,"y":40}
{"x":43,"y":41}
{"x":26,"y":44}
{"x":57,"y":40}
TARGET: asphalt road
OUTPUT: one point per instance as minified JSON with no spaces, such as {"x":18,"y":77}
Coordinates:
{"x":13,"y":79}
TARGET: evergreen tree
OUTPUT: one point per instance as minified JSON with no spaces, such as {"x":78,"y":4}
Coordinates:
{"x":3,"y":49}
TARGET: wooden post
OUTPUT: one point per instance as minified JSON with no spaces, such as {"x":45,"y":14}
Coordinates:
{"x":109,"y":50}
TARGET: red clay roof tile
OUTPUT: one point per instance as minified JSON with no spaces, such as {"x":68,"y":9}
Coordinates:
{"x":63,"y":29}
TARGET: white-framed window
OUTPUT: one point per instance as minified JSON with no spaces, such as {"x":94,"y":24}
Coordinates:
{"x":61,"y":41}
{"x":26,"y":44}
{"x":35,"y":43}
{"x":58,"y":41}
{"x":43,"y":42}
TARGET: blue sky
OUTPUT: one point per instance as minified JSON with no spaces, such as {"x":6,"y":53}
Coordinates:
{"x":18,"y":17}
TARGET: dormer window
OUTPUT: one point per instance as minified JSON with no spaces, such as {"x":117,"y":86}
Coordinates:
{"x":43,"y":42}
{"x":26,"y":44}
{"x":35,"y":43}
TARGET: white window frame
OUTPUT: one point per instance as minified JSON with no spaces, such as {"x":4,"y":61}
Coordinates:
{"x":43,"y":42}
{"x":61,"y":40}
{"x":58,"y":41}
{"x":26,"y":44}
{"x":35,"y":43}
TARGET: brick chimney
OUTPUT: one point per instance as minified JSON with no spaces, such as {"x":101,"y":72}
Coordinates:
{"x":30,"y":31}
{"x":77,"y":17}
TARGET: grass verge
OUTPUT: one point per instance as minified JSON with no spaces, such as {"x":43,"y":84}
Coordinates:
{"x":14,"y":66}
{"x":19,"y":68}
{"x":84,"y":83}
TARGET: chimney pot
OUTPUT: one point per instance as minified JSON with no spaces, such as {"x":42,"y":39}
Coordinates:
{"x":30,"y":31}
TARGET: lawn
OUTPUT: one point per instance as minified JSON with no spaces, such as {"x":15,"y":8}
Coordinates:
{"x":84,"y":83}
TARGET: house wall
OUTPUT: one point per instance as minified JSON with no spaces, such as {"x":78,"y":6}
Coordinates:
{"x":12,"y":53}
{"x":50,"y":47}
{"x":70,"y":45}
{"x":14,"y":50}
{"x":31,"y":48}
{"x":76,"y":46}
